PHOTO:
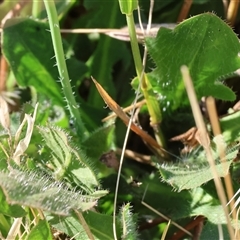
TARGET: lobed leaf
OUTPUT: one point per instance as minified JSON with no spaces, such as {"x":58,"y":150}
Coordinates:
{"x":188,"y":176}
{"x":204,"y":43}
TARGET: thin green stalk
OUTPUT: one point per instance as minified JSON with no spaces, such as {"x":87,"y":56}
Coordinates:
{"x":134,"y":45}
{"x":151,"y":101}
{"x":36,"y":8}
{"x":62,"y":68}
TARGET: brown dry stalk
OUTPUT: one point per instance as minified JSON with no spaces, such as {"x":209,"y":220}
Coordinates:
{"x":205,"y":143}
{"x":212,"y":112}
{"x":166,"y":218}
{"x":15,"y":11}
{"x":127,"y":109}
{"x":146,"y":159}
{"x":185,"y":10}
{"x":232,"y":11}
{"x":225,"y":6}
{"x":190,"y":226}
{"x":84,"y":225}
{"x":122,"y":115}
{"x":189,"y":139}
{"x":3,"y":73}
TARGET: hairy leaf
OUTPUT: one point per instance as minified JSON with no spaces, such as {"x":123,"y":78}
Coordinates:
{"x":197,"y":172}
{"x":39,"y":191}
{"x":128,"y":223}
{"x":67,"y":160}
{"x":207,"y":45}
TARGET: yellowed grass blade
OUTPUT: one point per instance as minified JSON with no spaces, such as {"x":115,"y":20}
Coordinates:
{"x":121,"y":114}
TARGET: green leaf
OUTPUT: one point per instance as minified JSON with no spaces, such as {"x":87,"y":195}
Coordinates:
{"x":211,"y":231}
{"x":108,"y":51}
{"x":40,"y":232}
{"x":230,"y":127}
{"x":187,"y":203}
{"x":67,"y":160}
{"x":37,"y":190}
{"x":128,"y":222}
{"x":10,"y":210}
{"x":31,"y":56}
{"x":99,"y":224}
{"x":103,"y":230}
{"x":207,"y":204}
{"x":32,"y":60}
{"x":99,"y":142}
{"x":91,"y":115}
{"x":189,"y":175}
{"x":207,"y":45}
{"x":160,"y":195}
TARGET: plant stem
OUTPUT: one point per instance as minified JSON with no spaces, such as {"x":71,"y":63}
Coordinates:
{"x":36,"y":7}
{"x":84,"y":225}
{"x":134,"y":45}
{"x":151,"y":101}
{"x":204,"y":140}
{"x":62,"y":68}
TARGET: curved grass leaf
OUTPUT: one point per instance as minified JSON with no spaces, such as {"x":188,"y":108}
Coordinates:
{"x":31,"y":56}
{"x":67,"y":160}
{"x":27,"y":46}
{"x":39,"y":191}
{"x":207,"y":45}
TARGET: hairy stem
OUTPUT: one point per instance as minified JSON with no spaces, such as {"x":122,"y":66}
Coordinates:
{"x":62,"y":68}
